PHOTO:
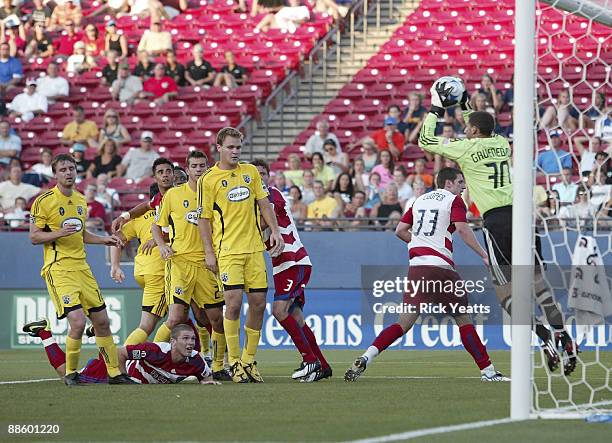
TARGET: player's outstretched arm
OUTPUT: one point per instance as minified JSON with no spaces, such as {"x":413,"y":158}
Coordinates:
{"x":135,"y":212}
{"x":158,"y":236}
{"x":107,"y":240}
{"x":205,"y":229}
{"x":38,"y":236}
{"x":276,"y":239}
{"x":115,"y":258}
{"x":469,"y":239}
{"x":404,"y":231}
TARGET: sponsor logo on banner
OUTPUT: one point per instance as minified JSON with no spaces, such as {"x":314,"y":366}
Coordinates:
{"x":31,"y":307}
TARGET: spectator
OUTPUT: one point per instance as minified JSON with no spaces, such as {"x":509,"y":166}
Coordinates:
{"x":582,"y":211}
{"x":107,"y":196}
{"x":137,"y":162}
{"x":551,"y":161}
{"x":418,"y":188}
{"x":155,"y":41}
{"x":40,"y":14}
{"x":373,"y":191}
{"x":111,"y":70}
{"x":14,"y":34}
{"x":96,"y":214}
{"x":316,"y":140}
{"x":52,"y":85}
{"x":587,"y":157}
{"x":65,"y":15}
{"x":287,"y":18}
{"x":599,"y":190}
{"x":551,"y":206}
{"x":369,"y":153}
{"x":355,"y":209}
{"x":11,"y":69}
{"x":338,"y":161}
{"x":65,"y":44}
{"x":411,"y":119}
{"x":394,"y":111}
{"x":331,"y":8}
{"x":94,"y":45}
{"x":420,"y":171}
{"x":8,"y":9}
{"x":199,"y":72}
{"x":603,"y":127}
{"x":563,"y":114}
{"x":127,"y":87}
{"x":595,"y":111}
{"x":160,"y":88}
{"x":18,"y":217}
{"x":79,"y":61}
{"x":113,"y":129}
{"x":602,"y":163}
{"x":493,"y":98}
{"x":80,"y":130}
{"x":307,"y":187}
{"x":389,"y":138}
{"x":323,"y":207}
{"x":113,"y":41}
{"x":566,"y":189}
{"x":82,"y":165}
{"x":448,"y":131}
{"x":40,"y":44}
{"x":231,"y":75}
{"x":44,"y":166}
{"x":360,"y":177}
{"x":14,"y":188}
{"x":404,"y":190}
{"x":107,"y":160}
{"x":28,"y":104}
{"x":144,"y":68}
{"x":322,"y":172}
{"x":10,"y":143}
{"x":294,"y":173}
{"x":343,"y":189}
{"x":385,"y":168}
{"x":299,"y":209}
{"x":174,"y":69}
{"x":280,"y":183}
{"x":388,"y":208}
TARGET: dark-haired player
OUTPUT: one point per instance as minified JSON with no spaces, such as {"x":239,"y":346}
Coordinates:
{"x":484,"y":158}
{"x":58,"y":222}
{"x":428,"y":227}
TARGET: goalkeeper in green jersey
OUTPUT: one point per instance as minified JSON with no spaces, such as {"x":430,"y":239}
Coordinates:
{"x":485,"y":160}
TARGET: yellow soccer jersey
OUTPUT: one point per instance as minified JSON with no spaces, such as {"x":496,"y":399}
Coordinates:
{"x":140,"y":228}
{"x":50,"y":212}
{"x":179,"y":212}
{"x":229,"y":199}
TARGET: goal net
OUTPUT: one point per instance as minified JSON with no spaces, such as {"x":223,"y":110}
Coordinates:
{"x":573,"y":203}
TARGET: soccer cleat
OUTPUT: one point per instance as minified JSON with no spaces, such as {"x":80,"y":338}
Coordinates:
{"x":306,"y":369}
{"x":253,"y":373}
{"x":495,"y":376}
{"x":321,"y":374}
{"x":355,"y":371}
{"x":552,"y":357}
{"x":222,"y":375}
{"x":72,"y":379}
{"x":238,"y":373}
{"x":89,"y":331}
{"x":121,"y":379}
{"x":35,"y":327}
{"x":569,"y":351}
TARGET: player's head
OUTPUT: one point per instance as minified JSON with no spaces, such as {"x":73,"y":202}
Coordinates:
{"x":450,"y":179}
{"x":197,"y":164}
{"x":182,"y":340}
{"x":180,"y":176}
{"x":229,"y":145}
{"x":64,"y":168}
{"x":163,"y":172}
{"x":480,"y":124}
{"x":263,"y":168}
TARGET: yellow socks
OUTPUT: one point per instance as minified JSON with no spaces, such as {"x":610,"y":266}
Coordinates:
{"x":232,"y":336}
{"x":73,"y":351}
{"x":137,"y":337}
{"x":250,"y":345}
{"x":204,"y":339}
{"x":219,"y":344}
{"x":108,"y":350}
{"x":163,"y":333}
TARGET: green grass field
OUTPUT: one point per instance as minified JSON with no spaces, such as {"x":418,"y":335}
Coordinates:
{"x":402,"y":391}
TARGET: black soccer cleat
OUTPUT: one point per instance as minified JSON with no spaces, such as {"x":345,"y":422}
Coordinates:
{"x":355,"y":371}
{"x":89,"y":331}
{"x":305,"y":369}
{"x":121,"y":379}
{"x":569,"y":351}
{"x":34,"y":328}
{"x":222,"y":375}
{"x":321,"y":374}
{"x":72,"y":379}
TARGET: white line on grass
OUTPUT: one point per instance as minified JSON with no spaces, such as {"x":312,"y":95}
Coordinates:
{"x":432,"y":431}
{"x":19,"y":382}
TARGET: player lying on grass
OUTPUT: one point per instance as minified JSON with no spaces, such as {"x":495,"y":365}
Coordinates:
{"x":428,"y":227}
{"x":145,"y":363}
{"x":291,"y":269}
{"x":485,"y":159}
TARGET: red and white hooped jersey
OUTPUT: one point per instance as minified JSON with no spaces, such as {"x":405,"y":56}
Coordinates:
{"x":151,"y":363}
{"x":432,"y":217}
{"x":294,"y":252}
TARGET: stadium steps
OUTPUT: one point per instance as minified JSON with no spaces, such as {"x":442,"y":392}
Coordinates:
{"x":283,"y":128}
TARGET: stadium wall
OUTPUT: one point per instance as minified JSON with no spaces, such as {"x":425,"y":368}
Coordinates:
{"x":338,"y":309}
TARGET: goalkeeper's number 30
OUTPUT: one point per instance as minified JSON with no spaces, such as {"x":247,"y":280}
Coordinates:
{"x":499,"y":177}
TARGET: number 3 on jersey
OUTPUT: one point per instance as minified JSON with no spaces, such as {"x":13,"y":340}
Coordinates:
{"x":432,"y":219}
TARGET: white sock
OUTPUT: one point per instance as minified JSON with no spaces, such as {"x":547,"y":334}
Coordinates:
{"x":370,"y":353}
{"x":489,"y":370}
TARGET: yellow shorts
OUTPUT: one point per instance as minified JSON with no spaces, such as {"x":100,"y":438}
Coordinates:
{"x":153,"y":294}
{"x":72,"y":290}
{"x":247,"y":271}
{"x":187,"y":281}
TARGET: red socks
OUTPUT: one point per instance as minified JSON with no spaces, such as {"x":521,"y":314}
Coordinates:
{"x":472,"y":343}
{"x":312,"y":341}
{"x":54,"y":353}
{"x":301,"y":343}
{"x":388,"y":336}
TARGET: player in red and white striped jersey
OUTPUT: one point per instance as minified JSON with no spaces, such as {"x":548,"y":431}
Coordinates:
{"x":428,"y":227}
{"x":291,"y":269}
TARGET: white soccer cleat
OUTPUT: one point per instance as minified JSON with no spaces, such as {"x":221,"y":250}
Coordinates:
{"x":306,"y":369}
{"x":493,"y":376}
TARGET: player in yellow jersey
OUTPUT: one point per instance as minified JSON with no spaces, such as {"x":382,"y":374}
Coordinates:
{"x":231,"y":196}
{"x":148,"y":265}
{"x":58,"y":222}
{"x":188,"y":282}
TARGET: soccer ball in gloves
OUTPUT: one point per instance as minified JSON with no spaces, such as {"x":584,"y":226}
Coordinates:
{"x":447,"y":91}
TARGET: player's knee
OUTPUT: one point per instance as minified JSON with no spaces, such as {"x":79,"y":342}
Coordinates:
{"x":258,"y":304}
{"x":232,"y":312}
{"x":102,"y":326}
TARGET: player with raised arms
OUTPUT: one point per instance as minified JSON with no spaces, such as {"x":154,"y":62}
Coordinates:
{"x":231,"y":197}
{"x":58,"y":223}
{"x":291,"y":270}
{"x":428,"y":228}
{"x":485,"y":159}
{"x":188,"y":282}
